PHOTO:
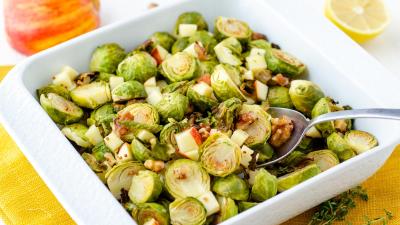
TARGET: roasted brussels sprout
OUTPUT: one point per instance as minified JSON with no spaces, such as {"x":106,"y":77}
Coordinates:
{"x":228,"y":209}
{"x":180,"y":44}
{"x":257,"y":124}
{"x":243,"y":206}
{"x":279,"y":97}
{"x":181,"y":87}
{"x":151,"y":214}
{"x":265,"y":186}
{"x":279,"y":61}
{"x":187,"y":211}
{"x":202,"y":97}
{"x":205,"y":38}
{"x":164,"y":39}
{"x":186,"y":178}
{"x":325,"y":159}
{"x":56,"y":89}
{"x":324,"y":105}
{"x":225,"y":81}
{"x":261,"y":44}
{"x":207,"y":67}
{"x":180,"y":66}
{"x":102,"y":116}
{"x":231,"y":186}
{"x":140,"y":151}
{"x":146,"y":187}
{"x":220,"y":156}
{"x":167,"y":134}
{"x":76,"y":133}
{"x":120,"y":177}
{"x":139,"y":116}
{"x":228,"y":51}
{"x":106,"y":58}
{"x":139,"y":66}
{"x":190,"y":18}
{"x":100,"y":151}
{"x":294,"y":158}
{"x":305,"y":94}
{"x":230,"y":27}
{"x":172,"y":105}
{"x":61,"y":110}
{"x":226,"y":114}
{"x":128,"y":90}
{"x":265,"y":152}
{"x":360,"y":141}
{"x":92,"y":162}
{"x":336,"y":143}
{"x":91,"y":95}
{"x":294,"y":178}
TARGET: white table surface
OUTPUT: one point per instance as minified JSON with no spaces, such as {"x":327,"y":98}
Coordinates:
{"x":386,"y":48}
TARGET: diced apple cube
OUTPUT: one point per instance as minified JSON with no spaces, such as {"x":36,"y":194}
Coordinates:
{"x":124,"y":153}
{"x":93,"y":135}
{"x":161,"y":83}
{"x":261,"y":90}
{"x":246,"y":153}
{"x":63,"y":79}
{"x":112,"y":141}
{"x":187,"y":30}
{"x":313,"y":133}
{"x":153,"y":95}
{"x":252,"y":175}
{"x":257,"y":51}
{"x":239,"y":136}
{"x":159,"y":54}
{"x":188,"y":143}
{"x":203,"y":89}
{"x":249,"y":100}
{"x":256,"y":62}
{"x":115,"y":81}
{"x":151,"y":82}
{"x":209,"y":202}
{"x":248,"y":75}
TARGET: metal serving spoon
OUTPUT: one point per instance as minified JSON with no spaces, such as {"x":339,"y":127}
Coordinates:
{"x":302,"y":124}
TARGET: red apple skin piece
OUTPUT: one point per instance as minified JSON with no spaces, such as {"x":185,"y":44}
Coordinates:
{"x":34,"y":25}
{"x":156,"y":55}
{"x":196,"y":135}
{"x":206,"y":78}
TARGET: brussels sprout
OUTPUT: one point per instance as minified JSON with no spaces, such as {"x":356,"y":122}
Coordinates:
{"x":167,"y":134}
{"x":228,"y":51}
{"x":92,"y":162}
{"x":146,"y":187}
{"x":220,"y":156}
{"x":304,"y":94}
{"x":76,"y":133}
{"x":180,"y":66}
{"x":261,"y":44}
{"x":243,"y":206}
{"x":202,"y":97}
{"x":259,"y":130}
{"x":61,"y":110}
{"x":205,"y":38}
{"x":324,"y":105}
{"x":56,"y":89}
{"x":140,"y":66}
{"x":207,"y":67}
{"x":102,"y":116}
{"x":325,"y":159}
{"x":228,"y":209}
{"x":187,"y":211}
{"x":151,"y":213}
{"x":173,"y":105}
{"x":127,"y":91}
{"x":120,"y":177}
{"x":139,"y":116}
{"x":224,"y":81}
{"x":186,"y":178}
{"x":180,"y":44}
{"x":294,"y":158}
{"x":91,"y":95}
{"x":230,"y":27}
{"x":265,"y":152}
{"x":337,"y":144}
{"x":140,"y":151}
{"x":360,"y":141}
{"x":181,"y":87}
{"x":190,"y":18}
{"x":231,"y":186}
{"x":281,"y":62}
{"x":265,"y":186}
{"x":294,"y":178}
{"x":226,"y":114}
{"x":99,"y":151}
{"x":106,"y":58}
{"x":279,"y":97}
{"x":104,"y":77}
{"x":163,"y":39}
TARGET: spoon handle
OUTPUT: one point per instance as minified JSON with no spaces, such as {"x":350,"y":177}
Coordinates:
{"x":391,"y":114}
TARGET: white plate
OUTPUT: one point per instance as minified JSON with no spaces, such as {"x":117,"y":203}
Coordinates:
{"x":338,"y":65}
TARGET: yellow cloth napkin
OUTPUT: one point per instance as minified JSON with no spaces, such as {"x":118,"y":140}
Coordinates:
{"x":25,"y":198}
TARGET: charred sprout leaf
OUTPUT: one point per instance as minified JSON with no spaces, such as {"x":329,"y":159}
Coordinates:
{"x":173,"y":105}
{"x":139,"y":66}
{"x":232,"y":187}
{"x":151,"y":213}
{"x":191,"y":18}
{"x":61,"y":110}
{"x":230,"y":27}
{"x":188,"y":211}
{"x":226,"y":113}
{"x":106,"y":58}
{"x":146,"y":187}
{"x":86,"y":78}
{"x":305,"y":94}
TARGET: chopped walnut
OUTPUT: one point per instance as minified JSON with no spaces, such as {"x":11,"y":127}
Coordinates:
{"x":154,"y":165}
{"x":201,"y":51}
{"x":263,"y":75}
{"x":282,"y":128}
{"x":258,"y":36}
{"x":86,"y":78}
{"x":281,"y":80}
{"x":245,"y":120}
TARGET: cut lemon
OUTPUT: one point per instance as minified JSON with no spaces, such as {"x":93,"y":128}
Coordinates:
{"x":362,"y":20}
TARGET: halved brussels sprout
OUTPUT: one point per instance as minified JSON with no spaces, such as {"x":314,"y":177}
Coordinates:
{"x":140,"y":151}
{"x":220,"y":156}
{"x":336,"y":143}
{"x":205,"y":38}
{"x":167,"y":134}
{"x":181,"y":87}
{"x":281,"y":62}
{"x":228,"y":209}
{"x":229,"y":51}
{"x":294,"y":158}
{"x":100,"y":150}
{"x":92,"y":163}
{"x":207,"y":67}
{"x":190,"y":18}
{"x":225,"y":81}
{"x":56,"y":89}
{"x":324,"y":105}
{"x":265,"y":186}
{"x":230,"y":27}
{"x":265,"y":152}
{"x":243,"y":206}
{"x":186,"y":178}
{"x":91,"y":95}
{"x":180,"y":44}
{"x":261,"y":44}
{"x":139,"y":116}
{"x":259,"y":128}
{"x":305,"y":94}
{"x":76,"y":133}
{"x":325,"y":159}
{"x":360,"y":141}
{"x":139,"y":66}
{"x":146,"y":187}
{"x":106,"y":58}
{"x":279,"y":97}
{"x":128,"y":90}
{"x":163,"y":39}
{"x":231,"y":186}
{"x":172,"y":105}
{"x":61,"y":110}
{"x":294,"y":178}
{"x":226,"y":114}
{"x":102,"y":116}
{"x":187,"y":211}
{"x":104,"y":77}
{"x":120,"y":177}
{"x":201,"y":96}
{"x":180,"y":66}
{"x":151,"y":214}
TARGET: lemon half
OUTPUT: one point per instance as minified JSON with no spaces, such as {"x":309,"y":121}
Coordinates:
{"x":362,"y":20}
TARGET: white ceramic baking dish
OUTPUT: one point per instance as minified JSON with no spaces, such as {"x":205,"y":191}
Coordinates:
{"x":337,"y":64}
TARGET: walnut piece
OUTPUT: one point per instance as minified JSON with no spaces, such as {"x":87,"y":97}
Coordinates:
{"x":282,"y":128}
